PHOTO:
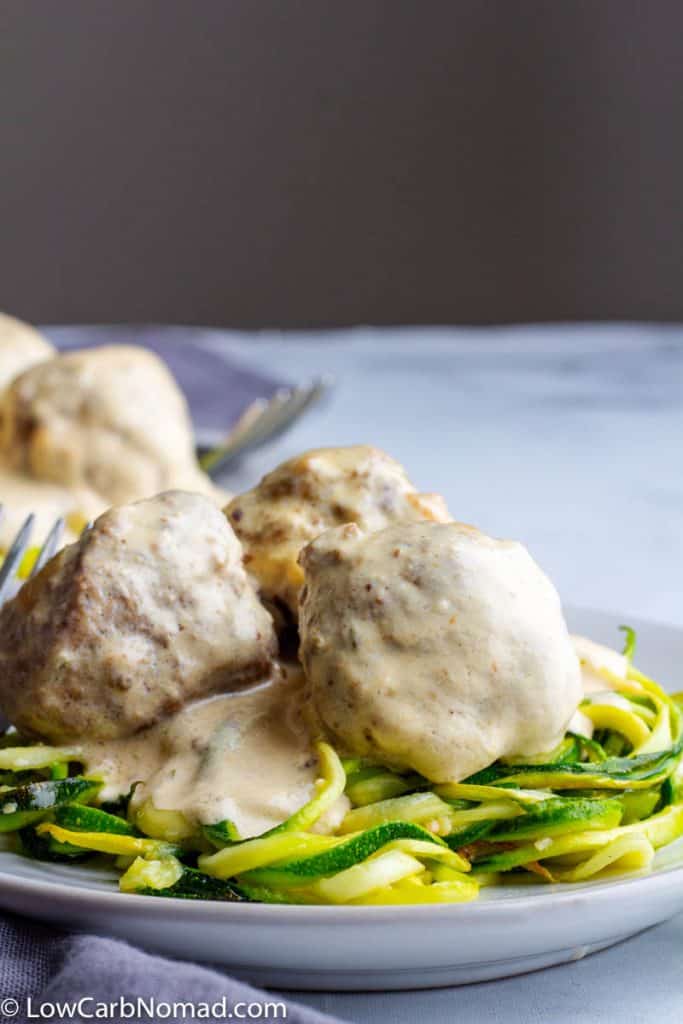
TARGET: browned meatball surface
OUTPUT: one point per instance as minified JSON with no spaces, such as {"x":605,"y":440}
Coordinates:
{"x":312,"y":492}
{"x":150,"y":609}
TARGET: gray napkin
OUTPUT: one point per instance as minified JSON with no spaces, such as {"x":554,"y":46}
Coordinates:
{"x":39,"y":965}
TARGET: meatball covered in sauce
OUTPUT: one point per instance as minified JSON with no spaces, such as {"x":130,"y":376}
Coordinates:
{"x":308,"y":494}
{"x":434,"y":647}
{"x":110,"y":418}
{"x":149,"y":610}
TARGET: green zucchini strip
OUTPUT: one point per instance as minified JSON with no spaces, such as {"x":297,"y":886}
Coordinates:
{"x":408,"y":837}
{"x":629,"y":643}
{"x":170,"y":878}
{"x":256,"y":853}
{"x":637,"y":772}
{"x":223,"y":833}
{"x":566,"y":750}
{"x":642,"y":803}
{"x":362,"y":879}
{"x":559,"y":816}
{"x":81,"y":818}
{"x":659,"y":830}
{"x":502,"y":810}
{"x":26,"y":804}
{"x":416,"y":807}
{"x":463,"y":791}
{"x":370,"y":785}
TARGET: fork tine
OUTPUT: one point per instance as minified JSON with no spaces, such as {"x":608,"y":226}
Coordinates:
{"x":281,"y":411}
{"x":14,"y":556}
{"x":49,"y":547}
{"x":300,"y":399}
{"x":268,"y":423}
{"x":289,"y":410}
{"x":312,"y":394}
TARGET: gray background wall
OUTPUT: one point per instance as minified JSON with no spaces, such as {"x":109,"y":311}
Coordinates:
{"x":296,"y":162}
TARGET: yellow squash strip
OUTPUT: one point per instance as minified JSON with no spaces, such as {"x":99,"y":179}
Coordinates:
{"x":417,"y":807}
{"x":648,"y":715}
{"x":107,"y":842}
{"x":660,"y":735}
{"x":467,"y":791}
{"x":669,"y":725}
{"x":627,"y":723}
{"x":501,"y":811}
{"x":172,"y":826}
{"x":428,"y":851}
{"x":151,"y":874}
{"x":414,"y":891}
{"x":628,"y":853}
{"x":21,"y":759}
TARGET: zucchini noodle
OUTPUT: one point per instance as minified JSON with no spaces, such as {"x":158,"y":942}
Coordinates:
{"x":595,"y":806}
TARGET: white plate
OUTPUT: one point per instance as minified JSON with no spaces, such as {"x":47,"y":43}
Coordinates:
{"x":509,"y":930}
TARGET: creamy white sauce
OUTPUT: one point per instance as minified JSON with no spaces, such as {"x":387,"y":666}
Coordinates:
{"x":21,"y":495}
{"x":248,"y":758}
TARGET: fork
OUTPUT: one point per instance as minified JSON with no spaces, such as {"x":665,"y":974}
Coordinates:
{"x":9,"y":578}
{"x":264,"y":421}
{"x":10,"y":582}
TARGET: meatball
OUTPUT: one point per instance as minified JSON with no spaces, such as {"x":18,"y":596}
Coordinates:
{"x":149,"y":610}
{"x":308,"y":494}
{"x":111,"y":419}
{"x":434,"y":647}
{"x":20,"y":347}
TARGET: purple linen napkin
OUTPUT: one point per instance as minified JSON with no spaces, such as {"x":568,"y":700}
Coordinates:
{"x":218,"y":390}
{"x":40,"y":966}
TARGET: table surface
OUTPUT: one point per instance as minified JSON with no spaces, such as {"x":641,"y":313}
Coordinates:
{"x":569,"y":439}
